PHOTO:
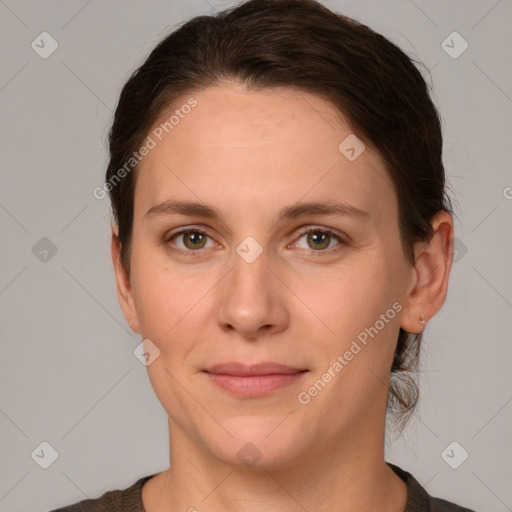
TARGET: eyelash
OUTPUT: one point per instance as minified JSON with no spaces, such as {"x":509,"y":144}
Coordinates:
{"x":195,"y":253}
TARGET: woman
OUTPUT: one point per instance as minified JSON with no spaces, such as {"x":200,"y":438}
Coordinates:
{"x":281,"y":238}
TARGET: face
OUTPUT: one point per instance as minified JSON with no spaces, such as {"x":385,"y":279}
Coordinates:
{"x":322,"y":291}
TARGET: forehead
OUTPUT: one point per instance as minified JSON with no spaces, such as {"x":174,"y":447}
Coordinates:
{"x":238,"y":146}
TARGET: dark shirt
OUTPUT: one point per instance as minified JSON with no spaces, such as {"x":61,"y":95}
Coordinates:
{"x":130,"y":499}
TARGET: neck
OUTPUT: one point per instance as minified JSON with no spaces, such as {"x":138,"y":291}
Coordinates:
{"x":345,"y":475}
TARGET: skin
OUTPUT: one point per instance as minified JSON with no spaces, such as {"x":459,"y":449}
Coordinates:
{"x":250,"y":154}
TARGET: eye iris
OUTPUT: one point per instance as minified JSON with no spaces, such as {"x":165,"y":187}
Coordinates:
{"x":195,"y":237}
{"x":318,"y":236}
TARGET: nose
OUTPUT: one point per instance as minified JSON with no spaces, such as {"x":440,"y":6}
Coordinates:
{"x":252,"y":300}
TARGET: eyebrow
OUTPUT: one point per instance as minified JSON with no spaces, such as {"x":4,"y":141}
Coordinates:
{"x":194,"y":209}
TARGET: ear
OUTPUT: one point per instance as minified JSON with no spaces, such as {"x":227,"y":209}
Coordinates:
{"x":123,"y":286}
{"x":433,"y":262}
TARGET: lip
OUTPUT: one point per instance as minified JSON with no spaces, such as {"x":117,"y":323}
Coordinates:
{"x":253,"y":380}
{"x":244,"y":370}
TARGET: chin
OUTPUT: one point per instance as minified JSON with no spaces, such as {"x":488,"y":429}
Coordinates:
{"x":258,"y":443}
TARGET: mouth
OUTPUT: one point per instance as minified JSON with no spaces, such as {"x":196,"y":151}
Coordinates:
{"x":253,"y":380}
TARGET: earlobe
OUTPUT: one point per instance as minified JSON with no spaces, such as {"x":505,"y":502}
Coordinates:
{"x":431,"y":274}
{"x":123,"y":286}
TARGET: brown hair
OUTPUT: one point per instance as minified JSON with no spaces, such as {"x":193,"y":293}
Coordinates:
{"x":300,"y":44}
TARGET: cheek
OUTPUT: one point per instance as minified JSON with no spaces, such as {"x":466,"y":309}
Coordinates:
{"x":346,"y":299}
{"x":357,"y":309}
{"x":160,"y":298}
{"x":355,"y":356}
{"x":173,"y":306}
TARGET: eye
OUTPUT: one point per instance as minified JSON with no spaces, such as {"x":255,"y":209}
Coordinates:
{"x":192,"y":240}
{"x":321,"y":240}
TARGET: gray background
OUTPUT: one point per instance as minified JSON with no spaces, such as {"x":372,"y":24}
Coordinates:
{"x":68,"y":373}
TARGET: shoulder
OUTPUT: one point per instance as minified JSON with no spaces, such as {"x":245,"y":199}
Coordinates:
{"x":439,"y":505}
{"x":122,"y":500}
{"x":418,"y":499}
